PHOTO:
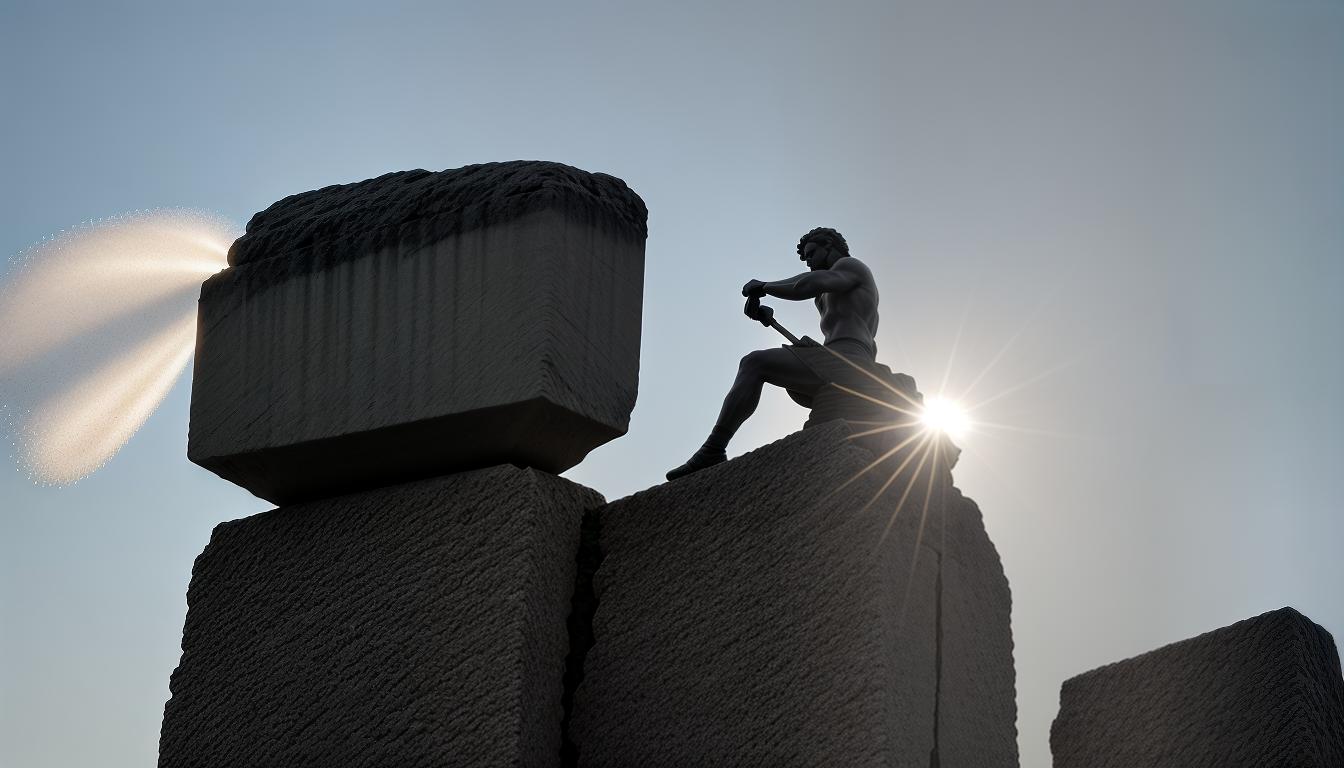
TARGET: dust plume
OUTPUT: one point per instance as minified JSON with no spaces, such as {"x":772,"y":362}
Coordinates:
{"x":96,"y":325}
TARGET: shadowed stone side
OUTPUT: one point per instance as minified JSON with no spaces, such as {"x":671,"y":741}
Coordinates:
{"x":580,"y":623}
{"x":418,"y":625}
{"x":977,"y":712}
{"x":1265,"y":691}
{"x":754,"y":613}
{"x":512,"y":342}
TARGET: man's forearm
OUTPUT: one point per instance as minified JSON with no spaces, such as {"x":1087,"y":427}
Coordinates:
{"x":808,"y":285}
{"x":796,"y":288}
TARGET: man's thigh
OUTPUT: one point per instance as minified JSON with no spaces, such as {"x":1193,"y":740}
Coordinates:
{"x":782,"y":368}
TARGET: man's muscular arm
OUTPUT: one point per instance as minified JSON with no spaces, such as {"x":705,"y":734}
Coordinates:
{"x":808,"y":285}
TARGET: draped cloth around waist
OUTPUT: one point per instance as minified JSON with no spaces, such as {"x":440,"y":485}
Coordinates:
{"x":849,"y":364}
{"x":862,"y":391}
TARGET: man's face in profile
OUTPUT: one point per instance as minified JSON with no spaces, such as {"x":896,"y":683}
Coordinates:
{"x":816,"y":255}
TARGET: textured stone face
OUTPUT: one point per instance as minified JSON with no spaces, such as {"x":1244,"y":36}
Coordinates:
{"x":977,"y":713}
{"x":756,"y":613}
{"x":1263,"y":692}
{"x":418,"y":625}
{"x":419,"y":324}
{"x":310,"y":230}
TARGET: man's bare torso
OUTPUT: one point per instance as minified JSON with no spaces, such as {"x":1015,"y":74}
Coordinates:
{"x":850,"y":314}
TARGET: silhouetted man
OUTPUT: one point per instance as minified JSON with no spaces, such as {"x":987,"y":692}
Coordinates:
{"x":846,"y":297}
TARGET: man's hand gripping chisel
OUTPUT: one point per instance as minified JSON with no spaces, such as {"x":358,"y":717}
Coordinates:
{"x":766,"y":316}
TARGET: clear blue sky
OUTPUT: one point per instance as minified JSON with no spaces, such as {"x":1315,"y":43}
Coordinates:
{"x":1147,"y":196}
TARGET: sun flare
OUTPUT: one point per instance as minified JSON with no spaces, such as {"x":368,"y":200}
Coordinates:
{"x":947,"y":416}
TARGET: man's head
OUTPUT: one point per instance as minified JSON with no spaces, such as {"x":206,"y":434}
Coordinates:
{"x":822,"y":247}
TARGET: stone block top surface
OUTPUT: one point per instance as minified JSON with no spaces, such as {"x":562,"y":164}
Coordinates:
{"x":345,"y":221}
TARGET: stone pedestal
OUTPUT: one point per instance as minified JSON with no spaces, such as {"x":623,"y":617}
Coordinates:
{"x":768,"y":612}
{"x":1263,"y":692}
{"x":416,"y":625}
{"x":418,"y":324}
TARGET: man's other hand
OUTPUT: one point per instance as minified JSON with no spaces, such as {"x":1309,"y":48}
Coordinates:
{"x":756,"y":311}
{"x":754,"y":288}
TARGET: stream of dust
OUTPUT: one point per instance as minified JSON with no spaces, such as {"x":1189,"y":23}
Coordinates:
{"x":96,"y":325}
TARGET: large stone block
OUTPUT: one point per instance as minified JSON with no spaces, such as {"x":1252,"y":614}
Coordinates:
{"x":1263,"y":692}
{"x":764,"y":612}
{"x":418,"y":625}
{"x":418,"y":324}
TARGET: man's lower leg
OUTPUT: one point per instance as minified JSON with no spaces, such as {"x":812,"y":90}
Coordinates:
{"x":738,"y":405}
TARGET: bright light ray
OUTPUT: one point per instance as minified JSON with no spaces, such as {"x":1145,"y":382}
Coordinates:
{"x":1031,"y":316}
{"x":875,"y":401}
{"x":1020,"y":385}
{"x":919,"y":535}
{"x":877,"y":462}
{"x":980,"y":427}
{"x":922,"y":451}
{"x":997,"y":357}
{"x":75,"y":432}
{"x":875,"y":378}
{"x":956,"y":342}
{"x":91,"y":276}
{"x":98,"y":324}
{"x":883,"y":427}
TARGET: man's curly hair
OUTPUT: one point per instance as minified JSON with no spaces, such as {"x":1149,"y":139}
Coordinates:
{"x":824,"y":236}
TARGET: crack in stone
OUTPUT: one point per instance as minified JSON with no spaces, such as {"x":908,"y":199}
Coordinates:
{"x":580,"y":624}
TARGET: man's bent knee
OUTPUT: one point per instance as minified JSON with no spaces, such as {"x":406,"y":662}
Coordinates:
{"x":754,"y":363}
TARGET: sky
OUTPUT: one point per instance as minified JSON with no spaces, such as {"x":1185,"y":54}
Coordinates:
{"x":1122,"y":223}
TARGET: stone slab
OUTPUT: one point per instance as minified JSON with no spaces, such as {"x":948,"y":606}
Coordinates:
{"x":418,"y":625}
{"x":1266,"y":691}
{"x":420,"y":324}
{"x":763,"y":612}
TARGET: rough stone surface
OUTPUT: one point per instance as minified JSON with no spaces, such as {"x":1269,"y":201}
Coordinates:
{"x":419,"y":625}
{"x":311,"y":230}
{"x":762,"y":612}
{"x":977,"y":713}
{"x":515,"y":340}
{"x":1263,"y":692}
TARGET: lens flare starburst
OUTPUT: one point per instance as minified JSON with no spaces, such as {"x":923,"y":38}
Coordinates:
{"x":945,"y":415}
{"x":921,"y":441}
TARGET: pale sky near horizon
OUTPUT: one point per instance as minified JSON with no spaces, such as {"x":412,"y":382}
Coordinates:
{"x":1133,"y":211}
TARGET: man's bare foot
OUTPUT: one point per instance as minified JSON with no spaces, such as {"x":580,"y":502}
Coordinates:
{"x":703,"y":459}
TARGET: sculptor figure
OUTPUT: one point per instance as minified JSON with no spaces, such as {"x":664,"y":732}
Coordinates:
{"x":846,"y":297}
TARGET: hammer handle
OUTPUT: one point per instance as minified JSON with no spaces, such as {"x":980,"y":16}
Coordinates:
{"x":784,"y":332}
